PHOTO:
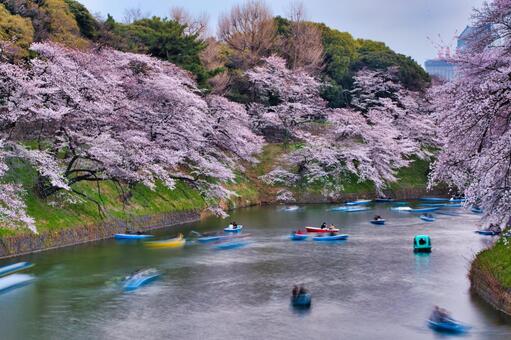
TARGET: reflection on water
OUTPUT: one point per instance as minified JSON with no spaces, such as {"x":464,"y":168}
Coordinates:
{"x":371,"y":286}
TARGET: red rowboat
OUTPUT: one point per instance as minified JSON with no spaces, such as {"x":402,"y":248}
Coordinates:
{"x":319,"y":230}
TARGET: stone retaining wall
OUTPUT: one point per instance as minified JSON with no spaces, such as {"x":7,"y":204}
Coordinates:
{"x":30,"y":243}
{"x":484,"y":284}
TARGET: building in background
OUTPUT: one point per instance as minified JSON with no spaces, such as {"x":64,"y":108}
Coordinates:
{"x":439,"y":67}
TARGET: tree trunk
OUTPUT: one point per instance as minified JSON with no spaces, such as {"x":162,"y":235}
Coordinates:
{"x":44,"y":188}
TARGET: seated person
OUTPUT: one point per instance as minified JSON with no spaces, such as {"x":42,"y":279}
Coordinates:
{"x":439,"y":315}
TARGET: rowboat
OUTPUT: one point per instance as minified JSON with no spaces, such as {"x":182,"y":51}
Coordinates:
{"x":422,"y":210}
{"x":448,"y":326}
{"x":177,"y":242}
{"x":331,"y":237}
{"x":131,"y":236}
{"x":298,"y":237}
{"x":141,"y":279}
{"x":291,"y":208}
{"x":233,"y":229}
{"x":349,"y":209}
{"x":302,"y":300}
{"x":476,"y":210}
{"x":434,"y":199}
{"x":427,"y":218}
{"x":401,"y":208}
{"x":359,"y":202}
{"x":383,"y":200}
{"x":231,"y":245}
{"x":12,"y":268}
{"x":378,"y":222}
{"x":487,"y":232}
{"x":319,"y":230}
{"x":14,"y":281}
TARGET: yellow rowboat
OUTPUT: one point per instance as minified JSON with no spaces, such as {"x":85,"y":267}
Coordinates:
{"x":177,"y":242}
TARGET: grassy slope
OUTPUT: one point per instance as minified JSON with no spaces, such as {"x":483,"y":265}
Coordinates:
{"x":57,"y":212}
{"x":498,"y":261}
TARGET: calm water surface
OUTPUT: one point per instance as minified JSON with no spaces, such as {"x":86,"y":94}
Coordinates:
{"x":370,"y":287}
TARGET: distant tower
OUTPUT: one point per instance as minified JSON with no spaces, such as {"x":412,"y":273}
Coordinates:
{"x":439,"y":67}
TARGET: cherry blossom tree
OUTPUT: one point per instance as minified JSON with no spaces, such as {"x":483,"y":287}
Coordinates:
{"x":108,"y":115}
{"x":285,"y":99}
{"x":371,"y":140}
{"x":474,"y":114}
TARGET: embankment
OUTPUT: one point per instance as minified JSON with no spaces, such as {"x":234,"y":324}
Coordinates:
{"x":490,"y":275}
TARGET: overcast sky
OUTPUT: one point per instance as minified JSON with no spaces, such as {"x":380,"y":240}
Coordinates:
{"x":407,"y":26}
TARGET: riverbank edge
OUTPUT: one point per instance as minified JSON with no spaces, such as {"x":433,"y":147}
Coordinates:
{"x":487,"y":286}
{"x":19,"y":245}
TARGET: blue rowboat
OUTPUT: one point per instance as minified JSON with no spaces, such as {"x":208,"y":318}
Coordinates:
{"x":14,"y":281}
{"x":231,"y":245}
{"x":358,"y":202}
{"x":441,"y":205}
{"x":383,"y":200}
{"x":434,"y":199}
{"x":12,"y":268}
{"x":233,"y":229}
{"x":451,"y":205}
{"x":487,"y":232}
{"x":427,"y":218}
{"x":141,"y":279}
{"x":349,"y":209}
{"x":422,"y":210}
{"x":406,"y":209}
{"x":302,"y":300}
{"x":476,"y":210}
{"x":331,"y":237}
{"x":131,"y":236}
{"x":298,"y":237}
{"x":378,"y":222}
{"x":448,"y":326}
{"x":447,"y":213}
{"x":207,"y":239}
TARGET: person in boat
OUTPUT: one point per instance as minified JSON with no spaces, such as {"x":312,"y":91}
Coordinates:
{"x":139,"y":232}
{"x":323,"y":226}
{"x":439,"y":315}
{"x":295,"y":291}
{"x":302,"y":290}
{"x":377,"y":218}
{"x":234,"y":225}
{"x":494,"y":228}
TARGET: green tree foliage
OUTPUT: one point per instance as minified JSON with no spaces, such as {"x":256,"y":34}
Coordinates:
{"x":63,"y":27}
{"x":164,"y":39}
{"x":15,"y":31}
{"x":377,"y":55}
{"x":340,"y":54}
{"x":88,"y":25}
{"x":344,"y":56}
{"x":51,"y":20}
